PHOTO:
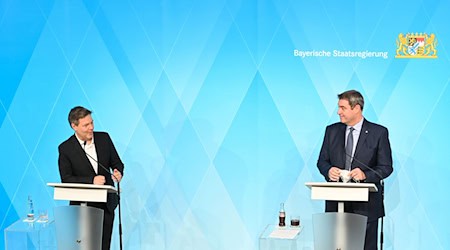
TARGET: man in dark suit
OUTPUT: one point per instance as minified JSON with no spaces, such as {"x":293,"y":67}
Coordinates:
{"x":364,"y":147}
{"x":79,"y":161}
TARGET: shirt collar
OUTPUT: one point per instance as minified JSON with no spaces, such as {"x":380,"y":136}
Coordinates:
{"x":81,"y":141}
{"x":357,"y":126}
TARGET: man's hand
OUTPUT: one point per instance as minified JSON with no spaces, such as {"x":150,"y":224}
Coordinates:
{"x":334,"y":173}
{"x":357,"y":174}
{"x":117,"y":176}
{"x":99,"y":180}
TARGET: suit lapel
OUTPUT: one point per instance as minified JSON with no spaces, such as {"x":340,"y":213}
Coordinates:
{"x":83,"y":157}
{"x":362,"y":138}
{"x":341,"y":144}
{"x":99,"y":148}
{"x":99,"y":153}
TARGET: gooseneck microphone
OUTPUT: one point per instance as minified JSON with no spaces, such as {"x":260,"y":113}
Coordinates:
{"x":382,"y":194}
{"x":118,"y":190}
{"x":101,"y":165}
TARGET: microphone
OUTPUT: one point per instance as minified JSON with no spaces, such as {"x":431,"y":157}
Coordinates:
{"x":118,"y":191}
{"x":381,"y":191}
{"x":366,"y":166}
{"x":96,"y":161}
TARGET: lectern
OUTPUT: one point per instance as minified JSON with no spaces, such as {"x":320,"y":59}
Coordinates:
{"x":340,"y":230}
{"x":79,"y":227}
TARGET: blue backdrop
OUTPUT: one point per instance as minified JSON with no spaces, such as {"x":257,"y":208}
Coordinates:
{"x":215,"y":114}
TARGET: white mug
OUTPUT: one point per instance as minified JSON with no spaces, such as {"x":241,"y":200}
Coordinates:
{"x":345,"y":176}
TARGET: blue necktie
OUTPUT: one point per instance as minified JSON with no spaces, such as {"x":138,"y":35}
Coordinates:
{"x":349,"y":149}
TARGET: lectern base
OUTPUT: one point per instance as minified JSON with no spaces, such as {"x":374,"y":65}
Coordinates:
{"x":79,"y":227}
{"x":339,"y":231}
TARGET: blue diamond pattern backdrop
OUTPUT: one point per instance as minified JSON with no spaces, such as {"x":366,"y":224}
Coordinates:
{"x":215,"y":118}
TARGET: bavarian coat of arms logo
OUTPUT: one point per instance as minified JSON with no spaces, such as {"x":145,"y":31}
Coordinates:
{"x":416,"y":45}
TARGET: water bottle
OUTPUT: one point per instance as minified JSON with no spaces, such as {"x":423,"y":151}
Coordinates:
{"x":30,"y":214}
{"x":282,"y":216}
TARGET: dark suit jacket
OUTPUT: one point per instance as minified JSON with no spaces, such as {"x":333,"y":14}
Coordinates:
{"x":75,"y":167}
{"x":372,"y":150}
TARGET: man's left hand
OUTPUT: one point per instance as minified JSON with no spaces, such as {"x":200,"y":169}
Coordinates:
{"x":357,"y":174}
{"x":117,"y":176}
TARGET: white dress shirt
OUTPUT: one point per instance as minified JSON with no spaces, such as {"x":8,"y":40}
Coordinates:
{"x":89,"y":148}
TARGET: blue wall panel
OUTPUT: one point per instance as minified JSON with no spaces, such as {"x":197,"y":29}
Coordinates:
{"x":216,"y":118}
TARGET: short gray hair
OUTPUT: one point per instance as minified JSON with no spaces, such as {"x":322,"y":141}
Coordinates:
{"x":353,"y":97}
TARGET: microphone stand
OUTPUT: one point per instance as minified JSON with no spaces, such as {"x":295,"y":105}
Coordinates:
{"x":118,"y":193}
{"x":382,"y":196}
{"x":382,"y":217}
{"x":120,"y":215}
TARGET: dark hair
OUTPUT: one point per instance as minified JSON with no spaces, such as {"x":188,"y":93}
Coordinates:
{"x":353,"y":97}
{"x":78,"y":113}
